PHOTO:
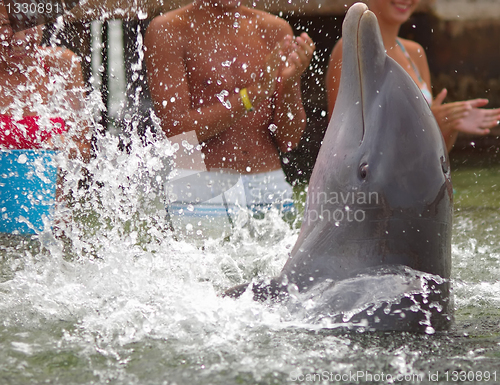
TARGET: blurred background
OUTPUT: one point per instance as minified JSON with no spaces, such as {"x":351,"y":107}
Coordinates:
{"x":461,"y":39}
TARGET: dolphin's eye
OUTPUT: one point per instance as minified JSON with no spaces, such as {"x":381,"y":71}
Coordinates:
{"x":444,"y":164}
{"x":363,"y":170}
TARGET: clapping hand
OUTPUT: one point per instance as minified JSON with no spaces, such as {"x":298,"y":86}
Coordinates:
{"x":298,"y":57}
{"x":465,"y":116}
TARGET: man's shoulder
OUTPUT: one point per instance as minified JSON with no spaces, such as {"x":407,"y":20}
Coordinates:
{"x":176,"y":18}
{"x":269,"y":19}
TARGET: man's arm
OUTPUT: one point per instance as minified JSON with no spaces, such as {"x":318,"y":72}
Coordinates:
{"x":290,"y":116}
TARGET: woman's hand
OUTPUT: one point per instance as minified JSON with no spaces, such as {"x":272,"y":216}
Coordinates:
{"x":479,"y":120}
{"x":448,"y":115}
{"x":464,"y":116}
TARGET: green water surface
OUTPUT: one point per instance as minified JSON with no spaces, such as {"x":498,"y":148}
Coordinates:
{"x":40,"y":347}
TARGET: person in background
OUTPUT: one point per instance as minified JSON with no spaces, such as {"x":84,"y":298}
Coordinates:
{"x":452,"y":118}
{"x":41,"y":94}
{"x":42,"y":98}
{"x":231,"y":74}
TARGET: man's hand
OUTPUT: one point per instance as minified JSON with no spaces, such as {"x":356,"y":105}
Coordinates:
{"x":299,"y":55}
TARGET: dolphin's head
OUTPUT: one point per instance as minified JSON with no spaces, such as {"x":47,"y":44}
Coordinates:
{"x":383,"y":158}
{"x":388,"y":141}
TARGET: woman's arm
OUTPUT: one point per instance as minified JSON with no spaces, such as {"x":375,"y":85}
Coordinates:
{"x":333,"y":76}
{"x":452,"y":118}
{"x":72,"y":106}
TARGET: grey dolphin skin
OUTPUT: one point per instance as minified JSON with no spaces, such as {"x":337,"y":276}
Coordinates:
{"x":379,"y":200}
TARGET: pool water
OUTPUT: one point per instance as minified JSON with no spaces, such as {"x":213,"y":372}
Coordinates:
{"x":116,"y":298}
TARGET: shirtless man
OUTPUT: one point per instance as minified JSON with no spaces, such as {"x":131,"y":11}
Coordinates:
{"x":231,"y":74}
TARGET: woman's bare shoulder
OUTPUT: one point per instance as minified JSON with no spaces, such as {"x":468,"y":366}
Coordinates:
{"x":414,"y":49}
{"x":60,"y":58}
{"x":417,"y":54}
{"x":64,"y":63}
{"x":337,"y":48}
{"x":336,"y":54}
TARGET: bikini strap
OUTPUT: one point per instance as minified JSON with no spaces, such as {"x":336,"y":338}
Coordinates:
{"x":42,"y":63}
{"x":45,"y":66}
{"x":410,"y":60}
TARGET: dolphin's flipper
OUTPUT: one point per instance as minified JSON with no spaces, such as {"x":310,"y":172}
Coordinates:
{"x":270,"y":290}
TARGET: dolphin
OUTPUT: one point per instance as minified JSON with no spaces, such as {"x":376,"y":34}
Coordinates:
{"x":378,"y":212}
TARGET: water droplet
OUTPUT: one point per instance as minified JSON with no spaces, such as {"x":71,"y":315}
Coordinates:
{"x":187,"y":145}
{"x":221,"y":97}
{"x":22,"y":159}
